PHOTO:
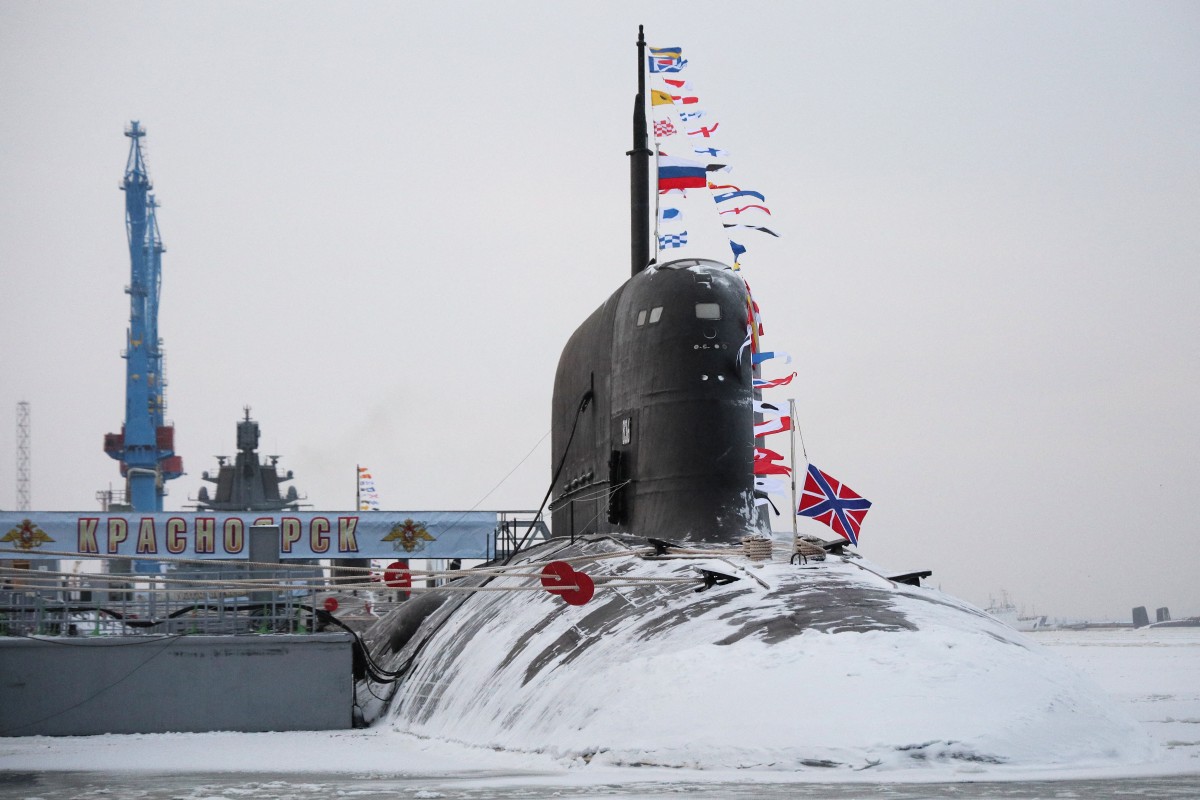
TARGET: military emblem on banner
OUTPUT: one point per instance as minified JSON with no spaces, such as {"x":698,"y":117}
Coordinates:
{"x":26,"y":536}
{"x":409,"y":536}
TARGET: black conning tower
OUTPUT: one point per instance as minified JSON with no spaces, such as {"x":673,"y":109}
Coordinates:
{"x":652,"y":419}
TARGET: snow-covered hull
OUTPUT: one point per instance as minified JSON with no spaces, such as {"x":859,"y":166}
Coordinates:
{"x":790,"y":667}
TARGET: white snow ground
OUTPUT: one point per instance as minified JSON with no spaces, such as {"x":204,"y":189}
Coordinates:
{"x":1153,"y":675}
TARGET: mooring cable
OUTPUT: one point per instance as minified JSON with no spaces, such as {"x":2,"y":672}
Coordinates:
{"x":583,"y":404}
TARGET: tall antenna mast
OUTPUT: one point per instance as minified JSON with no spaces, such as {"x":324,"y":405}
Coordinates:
{"x":639,"y":172}
{"x":23,"y":480}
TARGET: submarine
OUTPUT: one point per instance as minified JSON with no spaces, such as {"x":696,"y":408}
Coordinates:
{"x":645,"y":632}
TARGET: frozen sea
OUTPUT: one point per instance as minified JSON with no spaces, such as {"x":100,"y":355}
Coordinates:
{"x":1154,"y":674}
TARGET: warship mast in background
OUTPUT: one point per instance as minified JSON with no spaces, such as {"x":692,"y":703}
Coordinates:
{"x":248,"y":484}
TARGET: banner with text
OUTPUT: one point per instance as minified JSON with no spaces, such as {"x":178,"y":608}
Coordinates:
{"x":307,"y":534}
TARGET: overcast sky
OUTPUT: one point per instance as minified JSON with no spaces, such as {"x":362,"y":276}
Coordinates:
{"x":383,"y":221}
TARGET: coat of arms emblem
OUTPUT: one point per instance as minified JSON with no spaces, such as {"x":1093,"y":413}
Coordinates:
{"x":409,"y":535}
{"x":26,"y":536}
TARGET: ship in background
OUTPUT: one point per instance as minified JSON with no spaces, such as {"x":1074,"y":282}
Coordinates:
{"x":1162,"y":619}
{"x":248,"y":484}
{"x":1006,"y":612}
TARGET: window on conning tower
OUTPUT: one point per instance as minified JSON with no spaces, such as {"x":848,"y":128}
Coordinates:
{"x":641,"y":318}
{"x":708,"y":310}
{"x":655,"y":314}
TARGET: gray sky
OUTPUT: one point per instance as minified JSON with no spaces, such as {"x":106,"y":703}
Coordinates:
{"x":383,"y":221}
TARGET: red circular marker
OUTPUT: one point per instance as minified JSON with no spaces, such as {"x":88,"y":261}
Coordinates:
{"x":555,"y":574}
{"x":587,"y":588}
{"x":331,"y":604}
{"x":397,"y":575}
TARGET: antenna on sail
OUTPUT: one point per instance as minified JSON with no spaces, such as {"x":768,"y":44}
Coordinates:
{"x":639,"y":172}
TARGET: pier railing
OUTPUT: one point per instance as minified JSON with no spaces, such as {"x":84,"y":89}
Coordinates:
{"x":226,"y":599}
{"x":108,"y":595}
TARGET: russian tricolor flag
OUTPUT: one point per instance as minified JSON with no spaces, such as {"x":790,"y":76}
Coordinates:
{"x":679,"y":173}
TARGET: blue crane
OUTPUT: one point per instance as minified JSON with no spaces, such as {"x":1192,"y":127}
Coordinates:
{"x":146,"y":444}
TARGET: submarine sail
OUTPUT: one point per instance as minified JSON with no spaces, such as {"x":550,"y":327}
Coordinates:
{"x":664,"y":447}
{"x":653,"y":402}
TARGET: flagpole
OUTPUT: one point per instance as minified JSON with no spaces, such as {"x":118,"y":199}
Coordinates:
{"x":756,"y":394}
{"x":358,"y":487}
{"x":657,"y":211}
{"x":792,"y":414}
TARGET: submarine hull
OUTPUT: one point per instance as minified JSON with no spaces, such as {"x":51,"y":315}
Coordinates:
{"x":829,"y":666}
